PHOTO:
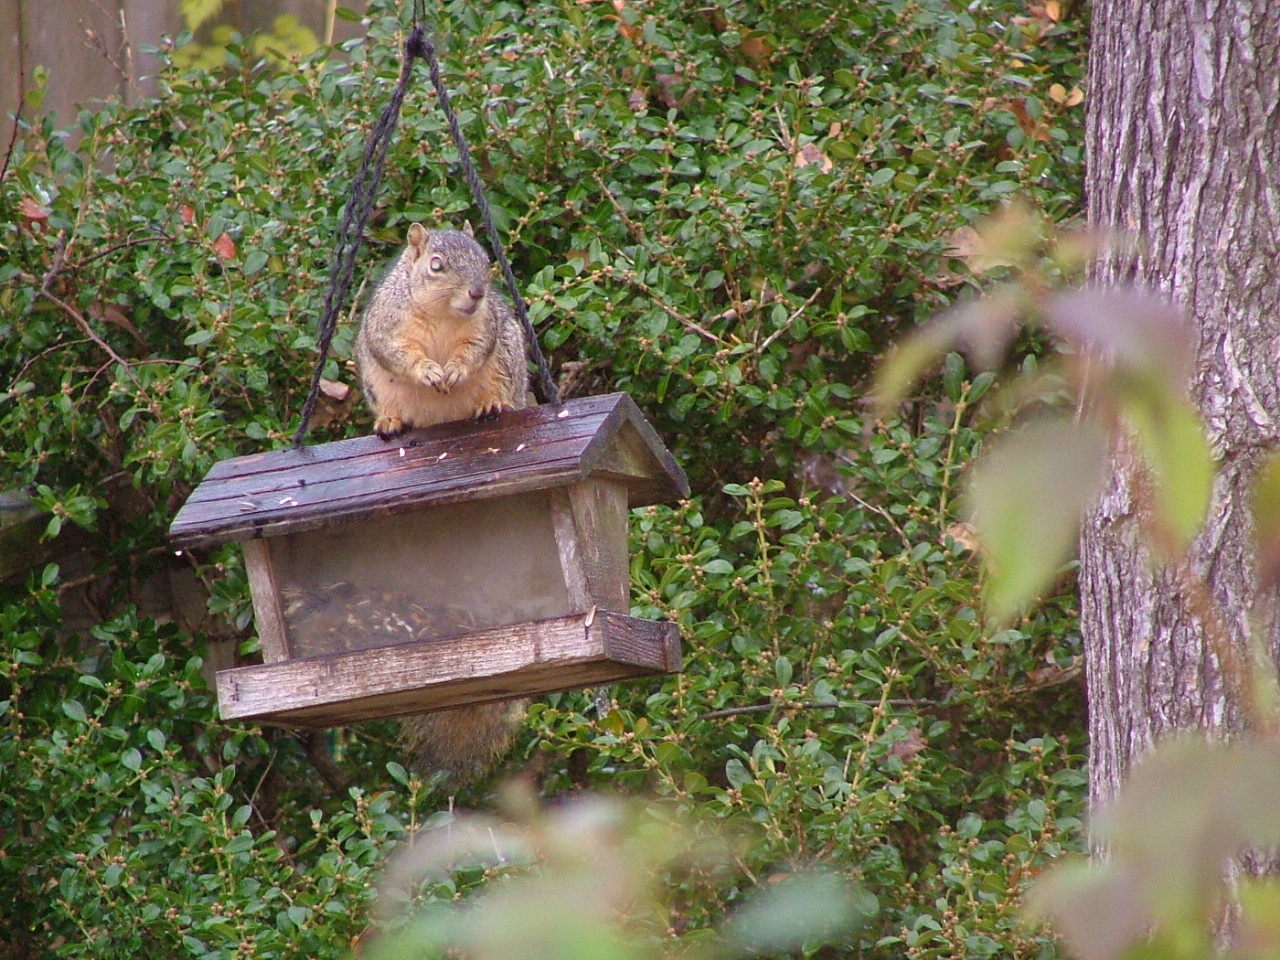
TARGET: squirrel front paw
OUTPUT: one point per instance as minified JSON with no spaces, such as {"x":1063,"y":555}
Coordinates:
{"x":452,"y":374}
{"x":493,"y":409}
{"x":388,"y":428}
{"x":433,"y":375}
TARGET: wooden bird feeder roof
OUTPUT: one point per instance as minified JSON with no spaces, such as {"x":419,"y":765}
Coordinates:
{"x":287,"y":491}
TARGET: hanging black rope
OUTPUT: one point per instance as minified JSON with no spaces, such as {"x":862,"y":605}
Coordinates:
{"x":355,"y":216}
{"x":544,"y":387}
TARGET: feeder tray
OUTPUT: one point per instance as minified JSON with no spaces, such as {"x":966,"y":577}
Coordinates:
{"x":463,"y":563}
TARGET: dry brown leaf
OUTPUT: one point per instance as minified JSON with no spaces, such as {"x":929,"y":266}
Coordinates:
{"x":981,"y":254}
{"x":335,"y":389}
{"x":1032,"y":127}
{"x":964,"y":534}
{"x":667,"y":86}
{"x":629,"y":31}
{"x":757,"y":50}
{"x":910,"y":746}
{"x":965,"y":242}
{"x":810,"y":154}
{"x":1060,"y":95}
{"x":188,"y":215}
{"x":112,"y":314}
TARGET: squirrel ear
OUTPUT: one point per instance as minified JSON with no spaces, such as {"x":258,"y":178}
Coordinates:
{"x":466,"y":228}
{"x":417,"y":240}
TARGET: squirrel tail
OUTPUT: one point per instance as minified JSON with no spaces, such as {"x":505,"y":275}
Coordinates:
{"x":461,"y":743}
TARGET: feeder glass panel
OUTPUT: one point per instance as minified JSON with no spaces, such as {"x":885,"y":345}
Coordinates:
{"x":438,"y":572}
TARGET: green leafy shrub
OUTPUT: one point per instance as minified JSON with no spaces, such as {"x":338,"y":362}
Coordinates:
{"x":727,"y":211}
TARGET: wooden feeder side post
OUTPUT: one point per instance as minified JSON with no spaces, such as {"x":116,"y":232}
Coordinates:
{"x":600,"y":507}
{"x":590,"y":523}
{"x":272,"y":631}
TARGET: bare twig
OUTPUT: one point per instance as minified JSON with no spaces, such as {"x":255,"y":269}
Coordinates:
{"x":105,"y":347}
{"x":790,"y":320}
{"x":13,"y":134}
{"x":684,"y":321}
{"x":136,"y":241}
{"x":633,"y":228}
{"x":879,"y":511}
{"x":785,"y":706}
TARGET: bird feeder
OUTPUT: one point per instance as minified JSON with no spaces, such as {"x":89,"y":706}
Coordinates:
{"x":464,"y":563}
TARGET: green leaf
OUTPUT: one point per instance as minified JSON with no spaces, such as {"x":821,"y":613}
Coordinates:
{"x":796,"y":910}
{"x":737,"y":774}
{"x":1266,"y":523}
{"x":254,"y":262}
{"x":1173,"y":444}
{"x":1026,"y":499}
{"x":908,"y":362}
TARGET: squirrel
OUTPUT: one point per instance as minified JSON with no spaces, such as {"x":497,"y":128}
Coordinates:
{"x":437,"y":342}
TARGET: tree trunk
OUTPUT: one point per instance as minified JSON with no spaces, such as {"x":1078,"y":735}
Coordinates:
{"x":1183,"y":155}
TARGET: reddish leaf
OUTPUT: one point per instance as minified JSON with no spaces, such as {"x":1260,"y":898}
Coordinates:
{"x":31,"y":212}
{"x":224,"y":247}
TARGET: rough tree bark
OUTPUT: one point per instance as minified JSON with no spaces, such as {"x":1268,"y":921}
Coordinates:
{"x":1183,"y":152}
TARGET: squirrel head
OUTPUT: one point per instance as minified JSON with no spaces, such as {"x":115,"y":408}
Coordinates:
{"x":447,"y":266}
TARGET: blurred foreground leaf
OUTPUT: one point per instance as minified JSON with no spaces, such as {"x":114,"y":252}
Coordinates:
{"x":583,"y":882}
{"x":1266,"y":524}
{"x":1173,"y":443}
{"x":1131,"y":329}
{"x":1185,"y":812}
{"x":1026,"y":499}
{"x":801,"y":909}
{"x":982,"y":328}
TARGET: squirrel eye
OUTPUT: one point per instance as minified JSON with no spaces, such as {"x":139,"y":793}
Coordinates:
{"x":436,"y":263}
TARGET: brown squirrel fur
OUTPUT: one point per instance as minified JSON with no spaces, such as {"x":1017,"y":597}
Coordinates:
{"x":437,"y":342}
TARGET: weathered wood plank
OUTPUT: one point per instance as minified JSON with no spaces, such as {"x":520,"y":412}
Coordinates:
{"x":461,"y":439}
{"x":287,"y":490}
{"x":308,"y":504}
{"x":599,"y":508}
{"x":595,"y":409}
{"x":273,"y":633}
{"x":524,"y":660}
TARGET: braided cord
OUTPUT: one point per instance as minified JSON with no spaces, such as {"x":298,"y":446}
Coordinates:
{"x":359,"y":207}
{"x":544,"y":387}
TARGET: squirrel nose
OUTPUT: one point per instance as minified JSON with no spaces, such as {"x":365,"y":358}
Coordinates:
{"x":476,"y":291}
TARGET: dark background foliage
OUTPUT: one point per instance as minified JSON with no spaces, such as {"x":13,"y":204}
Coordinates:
{"x":729,"y":212}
